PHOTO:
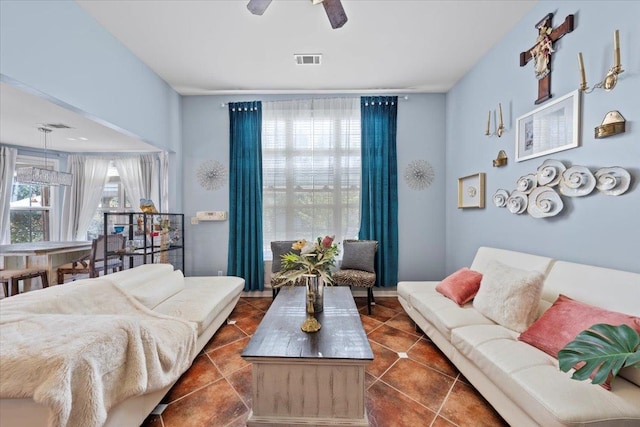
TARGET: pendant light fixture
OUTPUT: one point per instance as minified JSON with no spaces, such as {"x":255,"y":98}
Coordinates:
{"x":42,"y":176}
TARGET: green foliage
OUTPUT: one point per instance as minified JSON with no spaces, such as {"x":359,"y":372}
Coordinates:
{"x":315,"y":259}
{"x":603,"y":348}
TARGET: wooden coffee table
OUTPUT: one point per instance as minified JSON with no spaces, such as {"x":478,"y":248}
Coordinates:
{"x":302,"y":379}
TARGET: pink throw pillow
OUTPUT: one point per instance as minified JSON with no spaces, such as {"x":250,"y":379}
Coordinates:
{"x":461,"y":286}
{"x":565,"y":319}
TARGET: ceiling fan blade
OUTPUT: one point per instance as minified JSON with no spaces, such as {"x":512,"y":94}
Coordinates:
{"x":257,"y":7}
{"x":335,"y":13}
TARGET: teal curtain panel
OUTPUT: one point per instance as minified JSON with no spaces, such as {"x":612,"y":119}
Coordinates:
{"x":245,"y":194}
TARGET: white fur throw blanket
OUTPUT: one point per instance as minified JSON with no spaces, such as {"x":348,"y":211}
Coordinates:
{"x":82,"y":348}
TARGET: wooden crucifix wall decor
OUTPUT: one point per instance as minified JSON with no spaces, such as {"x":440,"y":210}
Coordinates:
{"x":542,"y":50}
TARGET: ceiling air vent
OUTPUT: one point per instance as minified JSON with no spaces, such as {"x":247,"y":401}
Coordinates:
{"x":57,"y":125}
{"x":308,"y":59}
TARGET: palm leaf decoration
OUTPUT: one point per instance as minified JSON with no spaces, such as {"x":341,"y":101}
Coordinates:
{"x":603,"y":348}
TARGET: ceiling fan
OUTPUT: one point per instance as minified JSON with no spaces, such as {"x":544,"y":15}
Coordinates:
{"x":334,"y":9}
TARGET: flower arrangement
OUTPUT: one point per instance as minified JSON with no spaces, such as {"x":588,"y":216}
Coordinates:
{"x":315,"y":258}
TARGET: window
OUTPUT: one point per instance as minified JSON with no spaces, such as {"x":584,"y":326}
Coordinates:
{"x":310,"y":169}
{"x":30,"y":207}
{"x":114,"y":199}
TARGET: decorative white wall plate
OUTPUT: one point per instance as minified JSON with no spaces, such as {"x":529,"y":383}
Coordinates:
{"x":500,"y":198}
{"x":527,"y":183}
{"x":577,"y":181}
{"x":550,"y":172}
{"x":544,"y":202}
{"x":517,"y":202}
{"x":612,"y":181}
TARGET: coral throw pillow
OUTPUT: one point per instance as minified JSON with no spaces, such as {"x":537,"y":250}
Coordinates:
{"x":565,"y":319}
{"x":509,"y":296}
{"x":461,"y":286}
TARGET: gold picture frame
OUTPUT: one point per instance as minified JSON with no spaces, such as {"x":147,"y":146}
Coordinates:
{"x":471,"y":191}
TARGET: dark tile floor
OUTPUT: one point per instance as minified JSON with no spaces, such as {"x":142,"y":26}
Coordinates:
{"x":409,"y":383}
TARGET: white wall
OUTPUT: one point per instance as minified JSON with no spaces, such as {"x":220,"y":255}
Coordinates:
{"x":596,"y":229}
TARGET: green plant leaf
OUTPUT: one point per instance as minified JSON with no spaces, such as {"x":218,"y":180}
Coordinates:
{"x":602,"y":348}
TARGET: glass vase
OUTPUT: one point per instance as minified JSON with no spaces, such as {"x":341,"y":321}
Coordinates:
{"x":315,"y":294}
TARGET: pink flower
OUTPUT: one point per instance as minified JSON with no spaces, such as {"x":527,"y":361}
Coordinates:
{"x":328,"y":241}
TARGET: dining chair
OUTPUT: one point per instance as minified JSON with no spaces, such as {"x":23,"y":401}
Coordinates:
{"x":358,"y":267}
{"x":15,"y":276}
{"x":279,"y":248}
{"x":96,"y":261}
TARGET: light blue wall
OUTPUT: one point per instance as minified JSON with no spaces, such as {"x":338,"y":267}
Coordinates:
{"x":57,"y":50}
{"x":596,"y":229}
{"x":421,"y":213}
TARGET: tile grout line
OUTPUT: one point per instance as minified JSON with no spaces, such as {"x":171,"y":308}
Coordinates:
{"x":447,"y":397}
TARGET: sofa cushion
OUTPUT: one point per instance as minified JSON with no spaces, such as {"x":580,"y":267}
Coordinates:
{"x":158,"y":289}
{"x":460,"y":286}
{"x":202,"y":299}
{"x":442,"y":312}
{"x":509,"y":296}
{"x":132,"y":277}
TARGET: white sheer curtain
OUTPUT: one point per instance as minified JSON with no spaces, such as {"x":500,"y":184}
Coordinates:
{"x":310,"y":169}
{"x":82,"y":198}
{"x":164,"y":181}
{"x":140,"y":178}
{"x":7,"y":166}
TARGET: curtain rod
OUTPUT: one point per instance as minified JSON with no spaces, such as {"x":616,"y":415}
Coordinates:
{"x":400,"y":98}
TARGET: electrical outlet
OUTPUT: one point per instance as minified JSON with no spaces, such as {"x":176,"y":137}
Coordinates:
{"x":219,"y":272}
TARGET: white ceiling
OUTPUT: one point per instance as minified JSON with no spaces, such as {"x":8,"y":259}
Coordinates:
{"x":219,"y":47}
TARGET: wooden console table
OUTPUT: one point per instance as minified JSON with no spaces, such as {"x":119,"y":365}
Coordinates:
{"x":302,"y":379}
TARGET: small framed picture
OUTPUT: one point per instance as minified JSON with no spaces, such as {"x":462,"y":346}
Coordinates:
{"x":548,"y":129}
{"x":471,"y":191}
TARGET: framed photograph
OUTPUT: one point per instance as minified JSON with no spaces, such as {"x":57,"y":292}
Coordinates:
{"x":471,"y":191}
{"x":551,"y":128}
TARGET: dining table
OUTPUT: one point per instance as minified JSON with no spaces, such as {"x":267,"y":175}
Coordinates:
{"x":49,"y":255}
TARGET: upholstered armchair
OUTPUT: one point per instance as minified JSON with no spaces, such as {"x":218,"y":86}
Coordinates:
{"x":358,"y":266}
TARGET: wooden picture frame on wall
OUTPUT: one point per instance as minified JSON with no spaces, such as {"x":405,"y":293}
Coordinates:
{"x":548,"y":129}
{"x":471,"y":193}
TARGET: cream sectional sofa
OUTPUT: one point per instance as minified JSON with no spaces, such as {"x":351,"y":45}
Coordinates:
{"x":205,"y":301}
{"x":521,"y":382}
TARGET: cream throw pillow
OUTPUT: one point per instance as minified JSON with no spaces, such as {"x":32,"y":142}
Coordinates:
{"x":509,"y":296}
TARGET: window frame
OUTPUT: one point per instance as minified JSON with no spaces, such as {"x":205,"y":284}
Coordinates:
{"x":52,"y":217}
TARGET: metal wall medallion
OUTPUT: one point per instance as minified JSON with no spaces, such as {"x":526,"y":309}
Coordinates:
{"x":211,"y":175}
{"x":419,"y":174}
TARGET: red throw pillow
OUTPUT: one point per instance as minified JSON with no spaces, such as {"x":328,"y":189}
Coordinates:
{"x":461,"y":286}
{"x":565,"y":319}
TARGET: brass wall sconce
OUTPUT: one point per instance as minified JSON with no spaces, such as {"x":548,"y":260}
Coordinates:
{"x":501,"y":160}
{"x":500,"y":128}
{"x":610,"y":80}
{"x":612,"y":124}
